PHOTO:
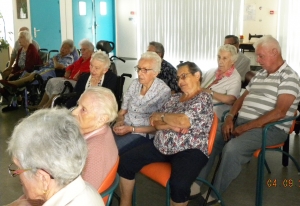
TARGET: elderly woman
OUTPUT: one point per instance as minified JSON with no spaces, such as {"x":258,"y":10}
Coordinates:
{"x":59,"y":61}
{"x":145,"y":95}
{"x":49,"y":154}
{"x":55,"y":85}
{"x":224,"y":83}
{"x":97,"y":107}
{"x":183,"y":125}
{"x":100,"y":75}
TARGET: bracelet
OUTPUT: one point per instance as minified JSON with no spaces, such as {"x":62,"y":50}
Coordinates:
{"x":162,"y":117}
{"x":229,"y":114}
{"x":133,"y":129}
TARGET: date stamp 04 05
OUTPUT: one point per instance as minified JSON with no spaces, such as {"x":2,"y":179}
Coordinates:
{"x":286,"y":183}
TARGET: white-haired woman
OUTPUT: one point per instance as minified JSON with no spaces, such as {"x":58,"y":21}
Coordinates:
{"x":145,"y":95}
{"x":223,"y":83}
{"x":49,"y":154}
{"x":55,"y":85}
{"x":100,"y":75}
{"x":97,"y":107}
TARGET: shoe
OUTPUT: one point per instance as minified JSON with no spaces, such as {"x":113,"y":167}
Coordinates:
{"x":9,"y":108}
{"x":200,"y":201}
{"x":192,"y":197}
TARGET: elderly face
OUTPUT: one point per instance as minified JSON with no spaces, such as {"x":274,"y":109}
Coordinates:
{"x":85,"y":114}
{"x":186,"y":80}
{"x":264,"y":57}
{"x":85,"y":52}
{"x":224,"y":61}
{"x":97,"y":68}
{"x":22,"y":41}
{"x":65,"y":50}
{"x":146,"y":74}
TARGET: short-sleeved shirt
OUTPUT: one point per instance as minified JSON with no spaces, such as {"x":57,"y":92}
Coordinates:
{"x":264,"y":90}
{"x":139,"y":108}
{"x":200,"y":113}
{"x":66,"y":60}
{"x":168,"y":74}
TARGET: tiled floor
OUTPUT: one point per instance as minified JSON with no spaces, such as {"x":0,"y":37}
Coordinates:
{"x":241,"y":192}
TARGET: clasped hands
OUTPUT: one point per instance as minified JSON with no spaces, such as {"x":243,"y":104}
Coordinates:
{"x":229,"y":131}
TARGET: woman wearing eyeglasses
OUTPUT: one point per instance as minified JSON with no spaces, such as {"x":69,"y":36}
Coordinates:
{"x":49,"y":154}
{"x":183,"y":125}
{"x":224,"y":83}
{"x":145,"y":95}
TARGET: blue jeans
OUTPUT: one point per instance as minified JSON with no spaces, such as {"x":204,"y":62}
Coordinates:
{"x":129,"y":141}
{"x":237,"y":152}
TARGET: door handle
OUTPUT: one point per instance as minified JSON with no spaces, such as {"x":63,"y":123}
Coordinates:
{"x":34,"y":32}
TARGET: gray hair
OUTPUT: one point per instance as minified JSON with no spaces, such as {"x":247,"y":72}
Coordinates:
{"x":159,"y":48}
{"x":102,"y":57}
{"x":70,"y":43}
{"x":235,"y":38}
{"x":156,"y":60}
{"x":104,"y":102}
{"x":27,"y":35}
{"x":86,"y":42}
{"x":269,"y":42}
{"x":50,"y":139}
{"x":231,"y":49}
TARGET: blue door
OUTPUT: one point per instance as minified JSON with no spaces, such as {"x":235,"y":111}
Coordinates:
{"x":45,"y":23}
{"x":95,"y":20}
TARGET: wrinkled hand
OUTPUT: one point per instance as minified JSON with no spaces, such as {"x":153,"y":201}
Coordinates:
{"x":227,"y":129}
{"x":239,"y":130}
{"x":122,"y":130}
{"x":180,"y":130}
{"x":119,"y":123}
{"x":155,"y":117}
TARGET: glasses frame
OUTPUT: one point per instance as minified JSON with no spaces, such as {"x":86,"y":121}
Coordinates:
{"x":144,"y":71}
{"x":182,"y":76}
{"x":19,"y":171}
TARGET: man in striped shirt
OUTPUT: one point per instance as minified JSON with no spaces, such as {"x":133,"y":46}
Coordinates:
{"x":273,"y":94}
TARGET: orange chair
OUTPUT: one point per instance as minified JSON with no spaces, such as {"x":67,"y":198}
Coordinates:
{"x":260,"y":154}
{"x":109,"y":185}
{"x":160,"y":172}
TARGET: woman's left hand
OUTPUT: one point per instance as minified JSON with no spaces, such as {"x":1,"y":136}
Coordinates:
{"x":155,"y":118}
{"x":122,"y":130}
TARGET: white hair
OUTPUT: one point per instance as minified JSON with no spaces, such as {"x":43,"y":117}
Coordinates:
{"x":104,"y":102}
{"x":269,"y":42}
{"x":231,"y":49}
{"x":26,"y":34}
{"x":155,"y":58}
{"x":86,"y":42}
{"x":70,"y":43}
{"x":49,"y":139}
{"x":102,"y":57}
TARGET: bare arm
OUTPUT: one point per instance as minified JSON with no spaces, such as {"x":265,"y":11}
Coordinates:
{"x":224,"y":98}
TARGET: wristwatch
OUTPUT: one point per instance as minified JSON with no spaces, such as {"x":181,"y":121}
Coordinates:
{"x":212,"y":93}
{"x":162,"y":117}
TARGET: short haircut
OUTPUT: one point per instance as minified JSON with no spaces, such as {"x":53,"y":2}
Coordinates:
{"x":156,"y":60}
{"x":235,"y":38}
{"x":231,"y":49}
{"x":27,"y":35}
{"x":104,"y":102}
{"x":269,"y":42}
{"x":88,"y":44}
{"x":159,"y":48}
{"x":50,"y":139}
{"x":68,"y":42}
{"x":24,"y":28}
{"x":193,"y":68}
{"x":102,"y":57}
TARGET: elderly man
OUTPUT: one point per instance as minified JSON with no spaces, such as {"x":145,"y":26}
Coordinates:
{"x":168,"y":72}
{"x":242,"y":64}
{"x":272,"y":95}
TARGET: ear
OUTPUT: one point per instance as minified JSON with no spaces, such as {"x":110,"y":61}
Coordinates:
{"x":274,"y":51}
{"x":198,"y":75}
{"x":44,"y":179}
{"x":105,"y":70}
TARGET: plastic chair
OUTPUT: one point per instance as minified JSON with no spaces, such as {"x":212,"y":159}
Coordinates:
{"x":160,"y":172}
{"x":260,"y":154}
{"x":109,"y":185}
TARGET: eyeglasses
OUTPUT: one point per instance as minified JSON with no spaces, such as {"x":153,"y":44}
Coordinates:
{"x":182,"y":76}
{"x":137,"y":69}
{"x":14,"y":170}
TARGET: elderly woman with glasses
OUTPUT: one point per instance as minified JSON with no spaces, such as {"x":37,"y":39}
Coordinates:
{"x":145,"y":95}
{"x":183,"y":125}
{"x":49,"y":154}
{"x":223,"y":83}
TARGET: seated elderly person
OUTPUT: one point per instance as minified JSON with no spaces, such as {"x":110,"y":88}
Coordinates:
{"x":183,"y":125}
{"x":97,"y":107}
{"x":50,"y":162}
{"x":59,"y":61}
{"x":56,"y":85}
{"x":272,"y":94}
{"x":223,"y":83}
{"x":100,"y":75}
{"x":145,"y":95}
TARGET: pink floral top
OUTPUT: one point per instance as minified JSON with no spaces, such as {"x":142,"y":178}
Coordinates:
{"x":200,"y":112}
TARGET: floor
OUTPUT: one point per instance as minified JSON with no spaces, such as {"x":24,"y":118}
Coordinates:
{"x":283,"y":183}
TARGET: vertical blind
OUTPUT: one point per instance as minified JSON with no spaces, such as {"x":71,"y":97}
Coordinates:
{"x":289,"y":32}
{"x":190,"y":30}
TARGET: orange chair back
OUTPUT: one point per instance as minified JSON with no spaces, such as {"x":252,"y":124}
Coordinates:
{"x":160,"y":172}
{"x":109,"y":180}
